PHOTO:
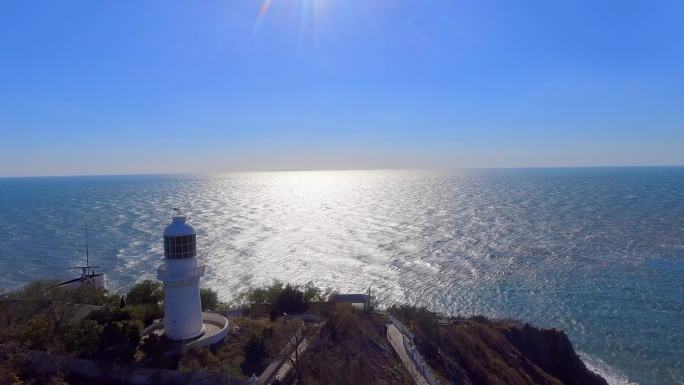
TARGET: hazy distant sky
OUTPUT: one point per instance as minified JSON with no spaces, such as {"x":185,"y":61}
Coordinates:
{"x":91,"y":87}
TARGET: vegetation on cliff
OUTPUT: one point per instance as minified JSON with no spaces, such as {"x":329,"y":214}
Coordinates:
{"x":85,"y":322}
{"x":477,"y":350}
{"x":249,"y":348}
{"x":353,"y":349}
{"x":344,"y":345}
{"x":282,"y":298}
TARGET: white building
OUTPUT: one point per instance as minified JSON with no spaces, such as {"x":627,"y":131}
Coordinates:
{"x":180,"y":273}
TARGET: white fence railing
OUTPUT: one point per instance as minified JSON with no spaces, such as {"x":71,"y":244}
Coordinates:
{"x":403,"y":329}
{"x":413,"y":353}
{"x":268,"y":374}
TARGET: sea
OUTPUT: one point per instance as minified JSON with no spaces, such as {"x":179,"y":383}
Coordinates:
{"x":597,"y":252}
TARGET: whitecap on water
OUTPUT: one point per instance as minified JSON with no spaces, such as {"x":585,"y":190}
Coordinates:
{"x":600,"y":367}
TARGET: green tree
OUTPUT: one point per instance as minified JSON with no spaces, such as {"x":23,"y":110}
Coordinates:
{"x":290,"y":300}
{"x":37,"y":333}
{"x":255,"y":352}
{"x":209,"y":299}
{"x":144,"y":313}
{"x":84,"y":294}
{"x":286,"y":348}
{"x":32,"y":291}
{"x":267,"y":294}
{"x":312,"y":293}
{"x":110,"y":314}
{"x":146,"y":292}
{"x":82,"y":337}
{"x":159,"y":349}
{"x":119,"y":341}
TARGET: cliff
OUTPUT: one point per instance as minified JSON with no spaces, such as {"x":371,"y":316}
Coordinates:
{"x":350,"y":347}
{"x":477,"y":351}
{"x":551,"y":350}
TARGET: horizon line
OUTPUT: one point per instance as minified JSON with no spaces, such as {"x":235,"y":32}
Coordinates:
{"x":333,"y":170}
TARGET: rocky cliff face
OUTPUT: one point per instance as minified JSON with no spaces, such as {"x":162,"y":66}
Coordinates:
{"x":483,"y":352}
{"x":551,"y":350}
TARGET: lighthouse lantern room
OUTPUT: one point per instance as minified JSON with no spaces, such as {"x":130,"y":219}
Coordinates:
{"x":180,"y":273}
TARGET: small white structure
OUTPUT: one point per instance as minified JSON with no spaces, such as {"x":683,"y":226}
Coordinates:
{"x":356,"y":301}
{"x":180,"y":273}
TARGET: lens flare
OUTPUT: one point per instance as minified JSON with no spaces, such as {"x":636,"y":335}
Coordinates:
{"x":304,"y":15}
{"x":263,"y":10}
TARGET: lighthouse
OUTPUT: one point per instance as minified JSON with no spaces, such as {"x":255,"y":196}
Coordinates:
{"x":180,"y":273}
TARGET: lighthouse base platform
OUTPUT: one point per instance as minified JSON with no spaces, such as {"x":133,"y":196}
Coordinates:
{"x":216,"y":329}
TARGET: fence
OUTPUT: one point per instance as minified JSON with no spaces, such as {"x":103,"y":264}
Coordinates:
{"x":403,"y":329}
{"x":413,"y":353}
{"x":272,"y":369}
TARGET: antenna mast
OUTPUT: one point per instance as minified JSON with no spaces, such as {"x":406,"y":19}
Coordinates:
{"x":86,"y":239}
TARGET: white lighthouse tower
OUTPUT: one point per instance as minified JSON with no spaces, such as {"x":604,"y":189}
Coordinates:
{"x":180,"y":273}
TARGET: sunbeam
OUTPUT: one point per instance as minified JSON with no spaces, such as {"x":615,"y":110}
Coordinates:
{"x":304,"y":15}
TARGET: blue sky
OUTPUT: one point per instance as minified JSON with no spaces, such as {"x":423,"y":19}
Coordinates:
{"x":206,"y":86}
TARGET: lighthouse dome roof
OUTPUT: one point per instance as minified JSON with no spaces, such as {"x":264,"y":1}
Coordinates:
{"x":178,"y":228}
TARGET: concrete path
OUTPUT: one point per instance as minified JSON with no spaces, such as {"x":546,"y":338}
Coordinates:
{"x":268,"y":372}
{"x":279,"y":368}
{"x":395,"y":338}
{"x":287,"y":365}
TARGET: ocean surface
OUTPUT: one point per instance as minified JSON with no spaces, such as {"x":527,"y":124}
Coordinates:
{"x":598,"y":252}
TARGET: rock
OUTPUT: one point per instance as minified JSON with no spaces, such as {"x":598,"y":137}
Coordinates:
{"x":552,"y":351}
{"x":478,"y":351}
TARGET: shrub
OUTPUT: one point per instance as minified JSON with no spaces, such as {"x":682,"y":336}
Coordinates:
{"x":82,"y":337}
{"x":159,"y":350}
{"x":290,"y":300}
{"x":32,"y":291}
{"x":197,"y":360}
{"x":37,"y":333}
{"x":273,"y":315}
{"x":84,"y":294}
{"x":255,"y":351}
{"x":144,"y":313}
{"x":110,"y":314}
{"x":145,"y":293}
{"x":313,"y":293}
{"x":284,"y":298}
{"x":418,"y":317}
{"x":209,"y":299}
{"x":119,"y":341}
{"x":17,"y":368}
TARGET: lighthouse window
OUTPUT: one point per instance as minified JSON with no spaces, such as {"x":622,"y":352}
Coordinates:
{"x":179,"y":247}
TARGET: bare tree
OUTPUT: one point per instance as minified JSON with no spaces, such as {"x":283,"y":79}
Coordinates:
{"x":290,"y":351}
